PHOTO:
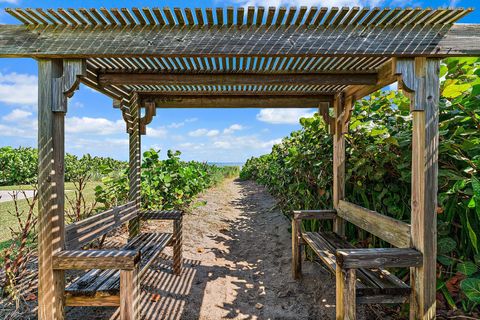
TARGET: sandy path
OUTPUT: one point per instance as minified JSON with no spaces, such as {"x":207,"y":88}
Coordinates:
{"x":243,"y":247}
{"x":237,"y":251}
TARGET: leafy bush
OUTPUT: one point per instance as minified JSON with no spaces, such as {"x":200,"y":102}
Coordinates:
{"x":19,"y":166}
{"x":165,"y":184}
{"x":298,"y":172}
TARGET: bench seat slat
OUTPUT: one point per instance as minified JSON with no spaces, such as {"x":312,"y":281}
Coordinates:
{"x":370,"y":283}
{"x":97,"y":282}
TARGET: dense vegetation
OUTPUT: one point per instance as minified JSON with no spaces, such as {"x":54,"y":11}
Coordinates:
{"x":166,"y":184}
{"x":19,"y":166}
{"x":298,"y":172}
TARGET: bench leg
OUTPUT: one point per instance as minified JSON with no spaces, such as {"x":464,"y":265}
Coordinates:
{"x":296,"y":250}
{"x":129,"y":294}
{"x":345,"y":294}
{"x":177,"y":246}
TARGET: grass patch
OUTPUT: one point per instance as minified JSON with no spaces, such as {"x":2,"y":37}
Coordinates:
{"x":8,"y":220}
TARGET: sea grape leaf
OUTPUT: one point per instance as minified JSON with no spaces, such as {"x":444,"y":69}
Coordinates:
{"x":471,"y":288}
{"x":446,"y":245}
{"x":467,"y":268}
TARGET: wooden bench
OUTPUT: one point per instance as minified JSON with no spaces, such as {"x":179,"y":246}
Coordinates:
{"x":360,"y":274}
{"x":112,"y":277}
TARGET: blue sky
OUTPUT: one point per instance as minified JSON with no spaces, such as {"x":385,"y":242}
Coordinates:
{"x":219,"y":135}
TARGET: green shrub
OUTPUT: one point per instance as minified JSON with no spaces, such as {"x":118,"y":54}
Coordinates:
{"x":165,"y":184}
{"x":19,"y":166}
{"x":298,"y":171}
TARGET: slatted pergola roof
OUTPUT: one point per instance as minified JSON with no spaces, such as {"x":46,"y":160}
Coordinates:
{"x":236,"y":58}
{"x":177,"y":54}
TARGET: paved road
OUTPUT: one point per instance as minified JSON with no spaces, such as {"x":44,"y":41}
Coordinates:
{"x":6,"y":195}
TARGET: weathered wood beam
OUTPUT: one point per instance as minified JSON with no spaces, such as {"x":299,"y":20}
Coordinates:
{"x":391,"y":230}
{"x":237,"y":101}
{"x":374,"y":258}
{"x":150,"y":112}
{"x":314,"y":214}
{"x":385,"y":77}
{"x":238,"y":79}
{"x":100,"y":259}
{"x":51,"y":42}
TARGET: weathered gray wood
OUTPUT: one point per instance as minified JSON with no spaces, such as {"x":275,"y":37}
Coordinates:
{"x":135,"y":154}
{"x":237,"y":101}
{"x":296,"y":249}
{"x":386,"y":76}
{"x":101,"y":259}
{"x":238,"y":79}
{"x":378,"y":299}
{"x":161,"y":215}
{"x":50,"y":192}
{"x":150,"y":112}
{"x":315,"y":214}
{"x":82,"y":232}
{"x":101,"y":283}
{"x":393,"y":231}
{"x":378,"y":258}
{"x":370,"y":283}
{"x":425,"y":186}
{"x":65,"y":85}
{"x":349,"y":294}
{"x":177,"y":245}
{"x":129,"y":294}
{"x":338,"y":160}
{"x":51,"y":42}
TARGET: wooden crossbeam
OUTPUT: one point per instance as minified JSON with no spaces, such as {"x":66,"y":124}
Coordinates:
{"x":236,"y":101}
{"x":238,"y":79}
{"x":360,"y":41}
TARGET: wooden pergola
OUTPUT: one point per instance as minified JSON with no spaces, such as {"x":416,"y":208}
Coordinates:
{"x":252,"y":57}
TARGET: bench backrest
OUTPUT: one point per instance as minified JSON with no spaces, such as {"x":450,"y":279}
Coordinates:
{"x":391,"y":230}
{"x":82,"y":232}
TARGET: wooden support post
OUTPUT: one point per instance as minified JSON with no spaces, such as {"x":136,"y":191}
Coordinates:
{"x":134,"y":163}
{"x":129,"y":294}
{"x":57,"y":79}
{"x":177,"y":246}
{"x":339,"y":298}
{"x":338,"y":161}
{"x":50,"y":192}
{"x":345,"y":293}
{"x":420,"y":78}
{"x":349,"y":300}
{"x":296,"y":249}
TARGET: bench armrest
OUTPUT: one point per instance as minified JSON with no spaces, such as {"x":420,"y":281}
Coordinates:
{"x":314,"y":214}
{"x":378,"y":258}
{"x":161,"y":215}
{"x":96,"y":259}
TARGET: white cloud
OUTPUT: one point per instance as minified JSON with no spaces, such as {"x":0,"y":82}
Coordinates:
{"x":203,"y":132}
{"x":176,"y":125}
{"x":97,"y":126}
{"x":159,"y":132}
{"x":17,"y":114}
{"x":233,"y":128}
{"x":283,"y":116}
{"x":198,"y":133}
{"x":212,"y":133}
{"x":14,"y":131}
{"x":10,"y":1}
{"x":244,"y":142}
{"x":18,"y":88}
